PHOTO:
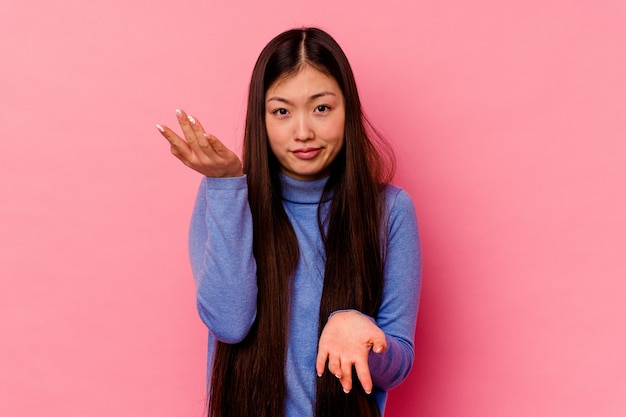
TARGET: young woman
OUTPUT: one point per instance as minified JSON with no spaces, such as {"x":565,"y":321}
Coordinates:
{"x":306,"y":260}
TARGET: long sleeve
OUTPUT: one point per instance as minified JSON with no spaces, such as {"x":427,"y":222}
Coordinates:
{"x":222,"y":260}
{"x":398,"y":311}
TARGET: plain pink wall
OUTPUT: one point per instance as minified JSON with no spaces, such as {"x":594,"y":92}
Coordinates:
{"x":509,"y":120}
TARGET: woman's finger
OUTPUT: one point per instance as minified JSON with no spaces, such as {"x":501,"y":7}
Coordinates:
{"x":346,"y":378}
{"x":196,"y":139}
{"x":219,"y":148}
{"x":200,"y":135}
{"x":187,"y":128}
{"x":334,"y":366}
{"x":320,"y":362}
{"x":379,"y":343}
{"x":365,"y":378}
{"x":178,"y":146}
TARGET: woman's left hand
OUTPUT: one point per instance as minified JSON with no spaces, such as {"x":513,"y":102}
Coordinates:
{"x":346,"y":340}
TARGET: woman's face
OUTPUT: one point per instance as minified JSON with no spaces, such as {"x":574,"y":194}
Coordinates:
{"x":305,"y":117}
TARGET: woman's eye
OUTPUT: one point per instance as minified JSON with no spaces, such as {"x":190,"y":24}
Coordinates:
{"x":280,"y":112}
{"x":322,"y":108}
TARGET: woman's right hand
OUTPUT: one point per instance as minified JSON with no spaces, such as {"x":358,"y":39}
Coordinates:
{"x":201,"y":151}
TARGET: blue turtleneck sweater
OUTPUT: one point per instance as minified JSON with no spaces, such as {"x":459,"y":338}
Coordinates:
{"x":224,"y":269}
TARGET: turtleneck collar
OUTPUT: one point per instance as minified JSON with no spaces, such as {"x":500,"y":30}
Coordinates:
{"x":306,"y":192}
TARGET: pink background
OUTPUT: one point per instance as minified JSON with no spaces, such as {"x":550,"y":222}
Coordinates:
{"x":509,"y":120}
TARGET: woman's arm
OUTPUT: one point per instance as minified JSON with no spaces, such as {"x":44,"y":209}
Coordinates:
{"x":397,"y":315}
{"x":220,"y":239}
{"x":223,"y":265}
{"x":381,"y":350}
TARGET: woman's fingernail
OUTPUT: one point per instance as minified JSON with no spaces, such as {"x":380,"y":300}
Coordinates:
{"x":179,"y":113}
{"x":378,"y":349}
{"x":368,"y":392}
{"x":319,"y":375}
{"x":160,"y":128}
{"x":191,"y":120}
{"x":347,"y":392}
{"x":338,"y":376}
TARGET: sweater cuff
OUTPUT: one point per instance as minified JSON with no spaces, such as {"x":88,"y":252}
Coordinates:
{"x":347,"y":310}
{"x":228,"y":183}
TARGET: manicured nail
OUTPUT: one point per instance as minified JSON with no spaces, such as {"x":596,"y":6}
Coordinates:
{"x":378,"y":349}
{"x":160,"y":128}
{"x":368,"y":392}
{"x":347,"y":392}
{"x":179,"y":114}
{"x":191,"y":120}
{"x":338,"y":376}
{"x":319,"y":375}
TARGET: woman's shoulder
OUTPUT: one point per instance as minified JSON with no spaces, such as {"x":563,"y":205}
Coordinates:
{"x":396,"y":198}
{"x":400,"y":214}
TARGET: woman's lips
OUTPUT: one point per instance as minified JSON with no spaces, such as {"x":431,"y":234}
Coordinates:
{"x":307,"y":153}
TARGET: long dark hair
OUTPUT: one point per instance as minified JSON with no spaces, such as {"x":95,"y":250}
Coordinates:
{"x":248,"y":378}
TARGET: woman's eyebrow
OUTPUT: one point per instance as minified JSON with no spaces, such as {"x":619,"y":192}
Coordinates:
{"x":322,"y":94}
{"x":313,"y":97}
{"x":276,"y":98}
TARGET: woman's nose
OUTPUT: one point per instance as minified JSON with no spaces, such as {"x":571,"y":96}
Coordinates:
{"x":303,"y":129}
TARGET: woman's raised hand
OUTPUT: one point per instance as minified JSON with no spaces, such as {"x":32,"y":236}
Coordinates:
{"x":201,"y":151}
{"x":346,"y":340}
